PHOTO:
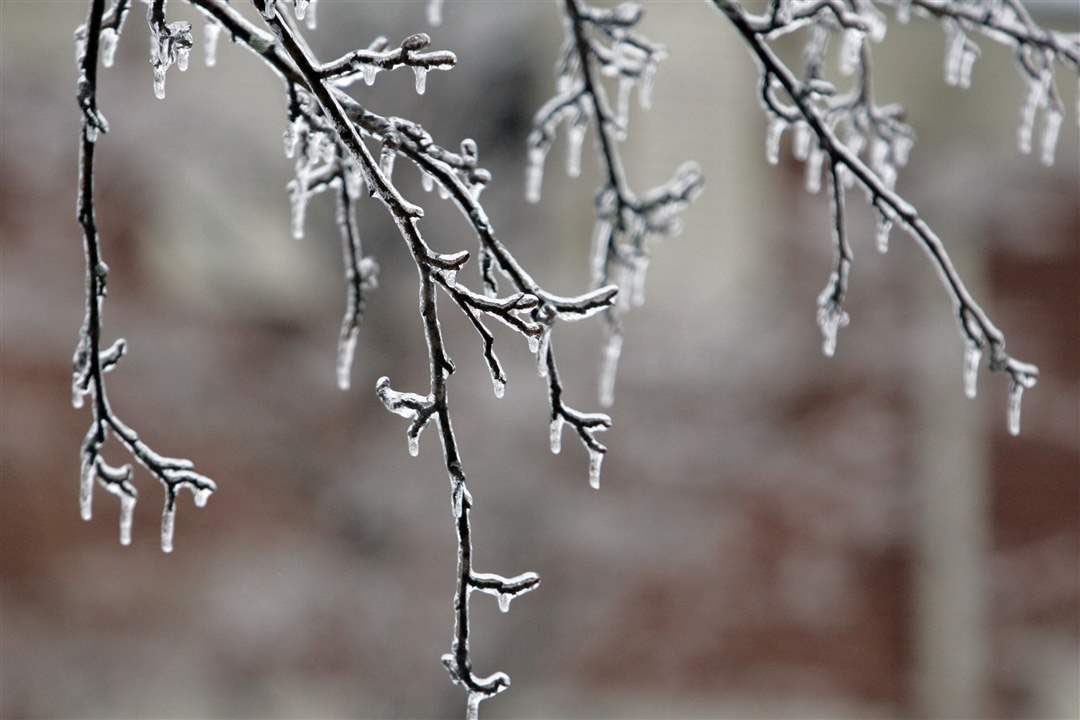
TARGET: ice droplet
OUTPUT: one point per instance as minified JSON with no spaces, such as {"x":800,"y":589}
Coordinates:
{"x":831,"y":317}
{"x":414,"y":445}
{"x":427,"y":181}
{"x":370,"y":71}
{"x":201,"y":496}
{"x":421,"y":79}
{"x":972,"y":355}
{"x":504,"y":602}
{"x":499,"y":387}
{"x":300,"y":8}
{"x":556,"y":434}
{"x":534,"y":343}
{"x":596,"y":459}
{"x":211,"y":33}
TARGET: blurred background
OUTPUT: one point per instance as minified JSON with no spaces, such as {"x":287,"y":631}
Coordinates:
{"x":777,"y":535}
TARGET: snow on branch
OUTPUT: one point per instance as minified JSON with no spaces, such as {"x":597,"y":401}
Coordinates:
{"x":327,"y":135}
{"x":97,"y":39}
{"x":603,"y":43}
{"x":832,"y":129}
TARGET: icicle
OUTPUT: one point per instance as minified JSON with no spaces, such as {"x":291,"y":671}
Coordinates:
{"x":575,"y":138}
{"x":954,"y":54}
{"x":542,"y":352}
{"x":1051,"y":128}
{"x":556,"y":429}
{"x":608,"y":367}
{"x":345,"y":352}
{"x":967,"y":64}
{"x":1016,"y":394}
{"x":211,"y":33}
{"x":159,"y":83}
{"x":108,"y":41}
{"x":849,"y":51}
{"x":168,"y":524}
{"x":183,"y":56}
{"x":386,"y":160}
{"x":414,"y":444}
{"x":201,"y":496}
{"x":622,"y":112}
{"x":298,"y":198}
{"x":434,"y":12}
{"x":801,"y":148}
{"x":648,"y":79}
{"x":299,"y":7}
{"x":427,"y":181}
{"x":127,"y":512}
{"x":772,"y":140}
{"x":884,"y":225}
{"x":421,"y":79}
{"x":534,"y":174}
{"x":499,"y":386}
{"x":903,"y":11}
{"x":312,"y":17}
{"x":813,"y":170}
{"x":972,"y":355}
{"x":601,"y":235}
{"x":596,"y":458}
{"x":1027,"y":116}
{"x":504,"y":602}
{"x":444,"y":193}
{"x":637,"y":280}
{"x":472,"y":701}
{"x":534,"y":344}
{"x":86,"y":488}
{"x":370,"y":71}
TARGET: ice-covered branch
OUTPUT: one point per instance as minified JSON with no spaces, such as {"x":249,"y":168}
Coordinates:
{"x":818,"y":113}
{"x":91,"y":362}
{"x":602,"y":42}
{"x":367,"y":63}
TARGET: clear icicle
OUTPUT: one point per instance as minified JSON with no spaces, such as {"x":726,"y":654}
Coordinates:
{"x":831,"y":317}
{"x":345,"y":352}
{"x":1016,"y":394}
{"x":504,"y":602}
{"x":108,"y":41}
{"x":370,"y":71}
{"x":954,"y":54}
{"x":884,"y":225}
{"x":575,"y":138}
{"x":201,"y":496}
{"x":601,"y":234}
{"x":168,"y":525}
{"x":386,"y":160}
{"x":534,"y":344}
{"x":849,"y":51}
{"x":421,"y":79}
{"x":298,"y":198}
{"x":127,"y":513}
{"x":972,"y":355}
{"x":637,"y":281}
{"x":299,"y":7}
{"x":498,"y":386}
{"x":312,"y":16}
{"x":967,"y":64}
{"x":414,"y":445}
{"x":211,"y":33}
{"x":1051,"y":129}
{"x":609,"y":365}
{"x":542,"y":352}
{"x":596,"y":459}
{"x":556,"y":434}
{"x":772,"y":140}
{"x":1027,"y":116}
{"x":427,"y":181}
{"x":183,"y":57}
{"x":434,"y":12}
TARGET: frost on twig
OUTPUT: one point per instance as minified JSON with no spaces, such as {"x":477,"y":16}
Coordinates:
{"x":602,"y":43}
{"x":91,"y":362}
{"x":861,"y":143}
{"x":327,"y":135}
